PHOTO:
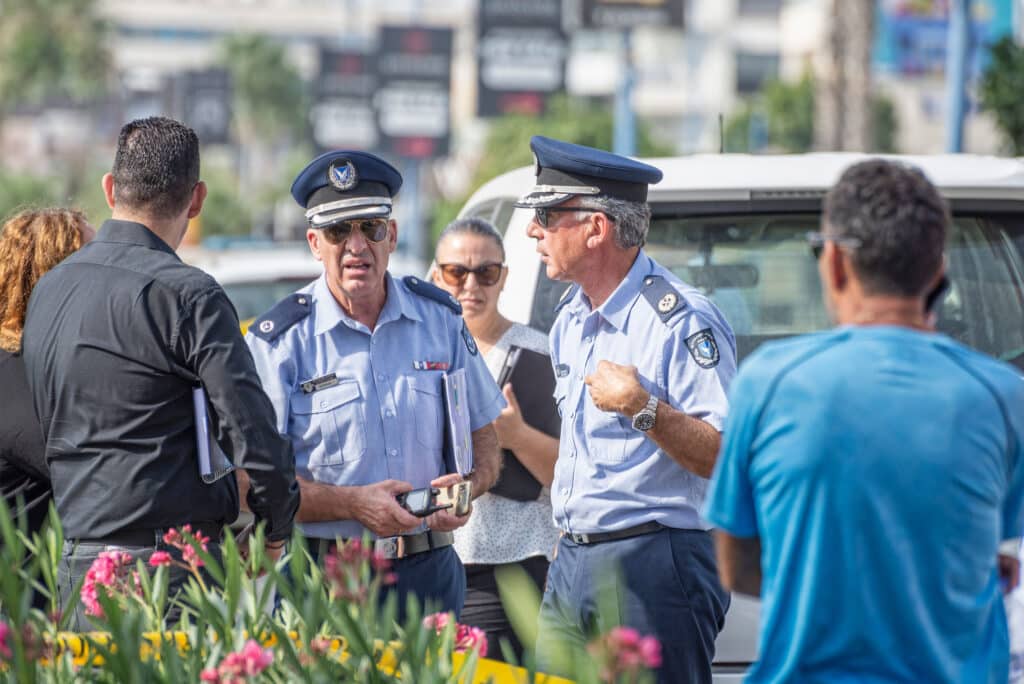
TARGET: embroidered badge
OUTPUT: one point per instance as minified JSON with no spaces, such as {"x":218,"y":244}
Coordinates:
{"x":430,"y":365}
{"x":470,"y":342}
{"x":342,"y":174}
{"x":703,"y":348}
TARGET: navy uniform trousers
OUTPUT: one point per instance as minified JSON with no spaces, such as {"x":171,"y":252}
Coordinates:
{"x":663,"y":584}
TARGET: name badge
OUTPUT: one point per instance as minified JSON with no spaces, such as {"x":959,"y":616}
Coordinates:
{"x":317,"y":384}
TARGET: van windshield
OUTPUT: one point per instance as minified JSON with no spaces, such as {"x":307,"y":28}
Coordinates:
{"x":758,"y":269}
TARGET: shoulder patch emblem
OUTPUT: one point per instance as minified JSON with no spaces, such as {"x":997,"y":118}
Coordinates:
{"x":662,"y":297}
{"x":703,"y":348}
{"x":470,"y":342}
{"x":284,"y":315}
{"x":431,"y":291}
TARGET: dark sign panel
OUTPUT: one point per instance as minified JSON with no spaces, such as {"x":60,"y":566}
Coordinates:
{"x":206,"y":104}
{"x":342,"y":115}
{"x":623,"y":14}
{"x":521,"y":55}
{"x":413,"y":101}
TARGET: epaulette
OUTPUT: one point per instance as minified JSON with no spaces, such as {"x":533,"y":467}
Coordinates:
{"x":284,"y":315}
{"x":662,"y":297}
{"x":566,"y":297}
{"x":431,"y":291}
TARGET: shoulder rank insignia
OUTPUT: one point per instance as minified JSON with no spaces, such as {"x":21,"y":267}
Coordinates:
{"x":566,"y":297}
{"x":431,"y":291}
{"x":703,"y":348}
{"x":662,"y":297}
{"x":284,"y":315}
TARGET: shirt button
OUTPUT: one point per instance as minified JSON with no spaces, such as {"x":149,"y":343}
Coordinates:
{"x":393,"y":452}
{"x":587,"y":339}
{"x":381,"y":377}
{"x":389,"y":413}
{"x":323,"y":403}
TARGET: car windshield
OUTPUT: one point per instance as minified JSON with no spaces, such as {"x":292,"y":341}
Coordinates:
{"x":254,"y":298}
{"x":758,"y":269}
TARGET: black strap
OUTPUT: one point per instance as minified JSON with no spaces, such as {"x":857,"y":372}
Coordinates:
{"x":152,"y":536}
{"x":598,"y":537}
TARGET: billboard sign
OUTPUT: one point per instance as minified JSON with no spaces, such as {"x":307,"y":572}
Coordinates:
{"x":342,"y":114}
{"x":206,"y":104}
{"x":626,"y":14}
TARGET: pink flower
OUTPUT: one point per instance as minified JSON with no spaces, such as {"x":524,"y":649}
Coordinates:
{"x":110,"y":571}
{"x":209,"y":675}
{"x":160,"y":558}
{"x":437,"y":620}
{"x":237,"y":667}
{"x":650,"y":652}
{"x":466,"y":637}
{"x":5,"y":633}
{"x":624,"y":637}
{"x":622,"y":651}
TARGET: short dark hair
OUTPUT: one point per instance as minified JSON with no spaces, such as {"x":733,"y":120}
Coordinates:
{"x":474,"y":226}
{"x":156,"y":166}
{"x":899,"y":221}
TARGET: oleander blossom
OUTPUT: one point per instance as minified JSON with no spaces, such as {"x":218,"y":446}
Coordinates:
{"x":622,"y":651}
{"x":352,"y":566}
{"x":5,"y":648}
{"x":238,"y":667}
{"x":182,"y":539}
{"x":110,"y":572}
{"x":467,"y":638}
{"x":160,"y":558}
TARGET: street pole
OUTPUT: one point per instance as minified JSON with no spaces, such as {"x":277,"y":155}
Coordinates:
{"x":957,"y":41}
{"x":624,"y":132}
{"x":413,"y":205}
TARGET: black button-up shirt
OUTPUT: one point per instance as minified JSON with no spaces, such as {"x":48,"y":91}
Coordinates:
{"x":116,"y":338}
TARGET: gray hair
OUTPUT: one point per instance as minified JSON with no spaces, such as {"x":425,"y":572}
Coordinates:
{"x":631,"y":219}
{"x":473,"y":225}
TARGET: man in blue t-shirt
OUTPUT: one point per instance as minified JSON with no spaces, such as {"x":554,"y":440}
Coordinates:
{"x":868,"y":474}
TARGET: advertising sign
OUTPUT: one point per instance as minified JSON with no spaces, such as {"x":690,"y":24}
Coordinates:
{"x":342,"y":114}
{"x":624,"y":14}
{"x":521,"y":52}
{"x":206,"y":104}
{"x":413,"y":91}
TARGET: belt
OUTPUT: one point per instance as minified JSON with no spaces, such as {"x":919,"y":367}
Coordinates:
{"x":394,"y":548}
{"x":153,"y":536}
{"x":598,"y":537}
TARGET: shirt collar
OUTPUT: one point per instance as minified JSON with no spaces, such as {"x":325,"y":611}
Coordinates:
{"x":329,"y":313}
{"x":132,"y":233}
{"x":616,"y":308}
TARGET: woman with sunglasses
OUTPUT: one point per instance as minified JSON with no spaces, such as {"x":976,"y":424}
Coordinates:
{"x":504,"y":530}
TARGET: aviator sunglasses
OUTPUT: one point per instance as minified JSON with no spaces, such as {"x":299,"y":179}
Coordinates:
{"x":543,"y":214}
{"x":373,"y":230}
{"x":817,"y":242}
{"x":456,"y":274}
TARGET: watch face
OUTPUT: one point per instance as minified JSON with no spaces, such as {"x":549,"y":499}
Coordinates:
{"x":643,"y":421}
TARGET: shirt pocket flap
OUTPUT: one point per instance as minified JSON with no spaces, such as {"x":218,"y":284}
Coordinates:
{"x":428,"y":383}
{"x":325,"y":400}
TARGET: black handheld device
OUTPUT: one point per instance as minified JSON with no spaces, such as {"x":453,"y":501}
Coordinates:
{"x":421,"y":502}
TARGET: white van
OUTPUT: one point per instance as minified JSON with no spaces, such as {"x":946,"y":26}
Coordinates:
{"x":735,"y":226}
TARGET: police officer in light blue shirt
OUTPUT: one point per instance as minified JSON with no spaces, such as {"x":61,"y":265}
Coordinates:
{"x":353,"y":364}
{"x":642,"y":364}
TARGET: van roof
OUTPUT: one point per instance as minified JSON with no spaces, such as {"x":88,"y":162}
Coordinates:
{"x":704,"y":177}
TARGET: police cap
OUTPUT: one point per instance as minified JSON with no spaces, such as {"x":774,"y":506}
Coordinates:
{"x":346,"y":184}
{"x":564,"y":170}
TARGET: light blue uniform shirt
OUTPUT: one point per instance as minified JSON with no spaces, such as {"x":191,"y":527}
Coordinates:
{"x":880,"y":468}
{"x":384,"y":417}
{"x":610,"y":476}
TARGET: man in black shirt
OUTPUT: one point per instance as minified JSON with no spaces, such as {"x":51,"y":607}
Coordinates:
{"x":115,"y":340}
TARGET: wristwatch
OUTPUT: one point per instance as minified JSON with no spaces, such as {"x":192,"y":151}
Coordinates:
{"x":644,"y":420}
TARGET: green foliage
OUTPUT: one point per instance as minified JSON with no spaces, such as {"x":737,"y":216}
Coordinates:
{"x":577,"y":120}
{"x":51,"y":48}
{"x":790,"y":113}
{"x":268,"y":93}
{"x":20,"y":191}
{"x":223,"y":212}
{"x":884,"y":124}
{"x":1002,"y":92}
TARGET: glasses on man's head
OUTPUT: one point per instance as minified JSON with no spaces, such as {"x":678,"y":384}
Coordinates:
{"x":456,"y":274}
{"x":374,"y":230}
{"x":543,"y":214}
{"x":817,"y":242}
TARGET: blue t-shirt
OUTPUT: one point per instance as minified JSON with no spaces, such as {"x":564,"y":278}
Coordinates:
{"x":880,"y":468}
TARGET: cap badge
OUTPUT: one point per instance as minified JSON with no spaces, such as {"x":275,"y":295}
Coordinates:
{"x":342,"y":174}
{"x":667,"y":303}
{"x":266,"y":326}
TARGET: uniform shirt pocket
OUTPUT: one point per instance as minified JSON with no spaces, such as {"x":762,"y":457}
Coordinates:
{"x":426,"y":403}
{"x":334,"y":417}
{"x":611,"y":435}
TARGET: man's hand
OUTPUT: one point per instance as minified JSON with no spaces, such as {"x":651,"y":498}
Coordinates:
{"x":617,"y":389}
{"x":376,"y":508}
{"x":445,"y":521}
{"x":509,"y":424}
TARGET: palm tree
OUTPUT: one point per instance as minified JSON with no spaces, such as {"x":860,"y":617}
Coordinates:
{"x":843,"y":117}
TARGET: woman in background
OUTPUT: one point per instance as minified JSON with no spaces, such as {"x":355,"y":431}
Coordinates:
{"x":515,"y":528}
{"x":31,"y":243}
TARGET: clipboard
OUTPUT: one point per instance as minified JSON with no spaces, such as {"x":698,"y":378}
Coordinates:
{"x":213,"y":462}
{"x":533,"y":382}
{"x":458,"y":438}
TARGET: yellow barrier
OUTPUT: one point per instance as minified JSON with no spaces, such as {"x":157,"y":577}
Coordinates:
{"x":487,"y":670}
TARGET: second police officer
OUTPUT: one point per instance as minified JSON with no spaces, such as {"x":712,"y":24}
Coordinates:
{"x":353,"y":365}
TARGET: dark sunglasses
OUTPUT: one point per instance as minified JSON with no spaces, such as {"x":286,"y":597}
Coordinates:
{"x":543,"y":214}
{"x":373,"y":230}
{"x":456,"y":274}
{"x":817,"y":242}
